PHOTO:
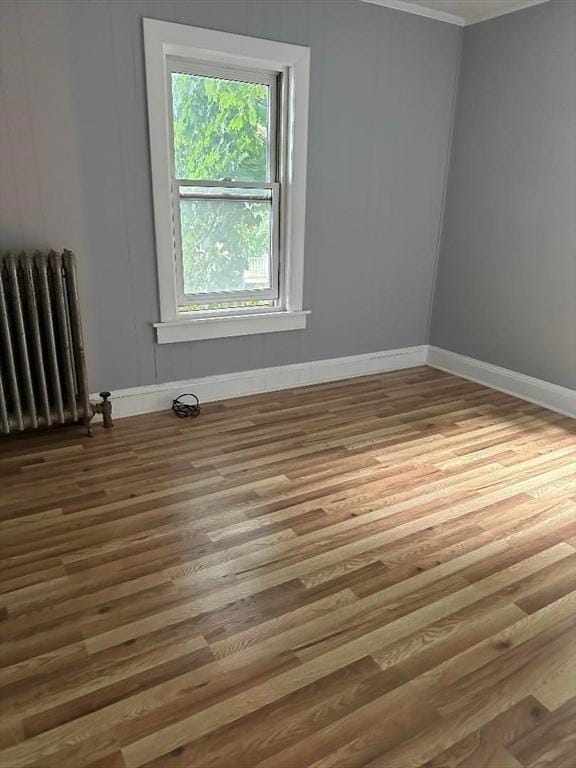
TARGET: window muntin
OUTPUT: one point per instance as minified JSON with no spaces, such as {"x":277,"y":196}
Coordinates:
{"x":225,"y":189}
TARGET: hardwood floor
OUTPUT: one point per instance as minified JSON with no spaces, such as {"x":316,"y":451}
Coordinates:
{"x":376,"y":573}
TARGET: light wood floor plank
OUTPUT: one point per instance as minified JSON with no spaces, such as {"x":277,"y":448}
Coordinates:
{"x":374,"y":573}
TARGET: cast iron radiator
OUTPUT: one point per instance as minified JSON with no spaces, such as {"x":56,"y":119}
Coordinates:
{"x":43,"y":379}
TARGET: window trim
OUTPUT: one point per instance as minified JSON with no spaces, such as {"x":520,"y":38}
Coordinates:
{"x":164,"y":42}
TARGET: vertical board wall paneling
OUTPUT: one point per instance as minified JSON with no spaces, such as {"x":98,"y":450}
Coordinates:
{"x":381,"y":95}
{"x":506,"y":287}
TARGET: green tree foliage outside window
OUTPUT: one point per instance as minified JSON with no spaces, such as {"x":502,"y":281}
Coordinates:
{"x":221,"y":132}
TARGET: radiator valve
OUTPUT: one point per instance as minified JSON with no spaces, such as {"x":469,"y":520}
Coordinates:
{"x":105,"y":408}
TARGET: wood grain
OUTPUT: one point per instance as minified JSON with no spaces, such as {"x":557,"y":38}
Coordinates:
{"x":378,"y":572}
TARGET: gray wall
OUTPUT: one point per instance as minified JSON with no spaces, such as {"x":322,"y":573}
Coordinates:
{"x":506,"y":284}
{"x":74,"y":171}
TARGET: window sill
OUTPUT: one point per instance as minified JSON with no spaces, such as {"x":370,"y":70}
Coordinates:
{"x":194,"y":329}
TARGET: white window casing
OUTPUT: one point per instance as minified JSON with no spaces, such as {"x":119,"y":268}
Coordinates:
{"x":267,"y":61}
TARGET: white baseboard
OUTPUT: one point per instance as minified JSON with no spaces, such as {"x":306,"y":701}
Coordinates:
{"x":551,"y":396}
{"x":158,"y":397}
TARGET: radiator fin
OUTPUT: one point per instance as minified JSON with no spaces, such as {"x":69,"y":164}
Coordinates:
{"x":8,"y":360}
{"x":39,"y":366}
{"x":50,"y":338}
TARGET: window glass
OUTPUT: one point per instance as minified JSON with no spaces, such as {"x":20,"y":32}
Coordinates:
{"x":221,"y":128}
{"x":226,"y":245}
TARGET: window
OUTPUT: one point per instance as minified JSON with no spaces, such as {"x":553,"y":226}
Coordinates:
{"x":228,"y":122}
{"x":225,"y":186}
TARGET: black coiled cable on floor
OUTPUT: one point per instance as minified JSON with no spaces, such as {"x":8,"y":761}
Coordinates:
{"x":184,"y":409}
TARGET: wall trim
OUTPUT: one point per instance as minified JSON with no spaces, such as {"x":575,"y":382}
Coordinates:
{"x":221,"y":326}
{"x":494,"y":14}
{"x":158,"y":397}
{"x":420,"y":10}
{"x":548,"y":395}
{"x":409,"y":6}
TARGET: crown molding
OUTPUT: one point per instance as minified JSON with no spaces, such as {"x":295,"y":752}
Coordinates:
{"x":420,"y":10}
{"x":520,"y":6}
{"x":451,"y":18}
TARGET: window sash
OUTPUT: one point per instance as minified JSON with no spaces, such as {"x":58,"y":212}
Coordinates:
{"x":221,"y":297}
{"x":274,"y":81}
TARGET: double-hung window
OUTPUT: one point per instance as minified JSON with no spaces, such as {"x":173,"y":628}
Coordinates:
{"x":226,"y":195}
{"x":228,"y":122}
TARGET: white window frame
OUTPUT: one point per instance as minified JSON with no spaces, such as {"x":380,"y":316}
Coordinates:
{"x":164,"y":42}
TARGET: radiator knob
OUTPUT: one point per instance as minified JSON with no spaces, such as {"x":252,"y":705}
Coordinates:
{"x":105,"y":408}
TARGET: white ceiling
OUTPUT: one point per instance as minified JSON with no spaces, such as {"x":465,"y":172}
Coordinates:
{"x":461,"y":12}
